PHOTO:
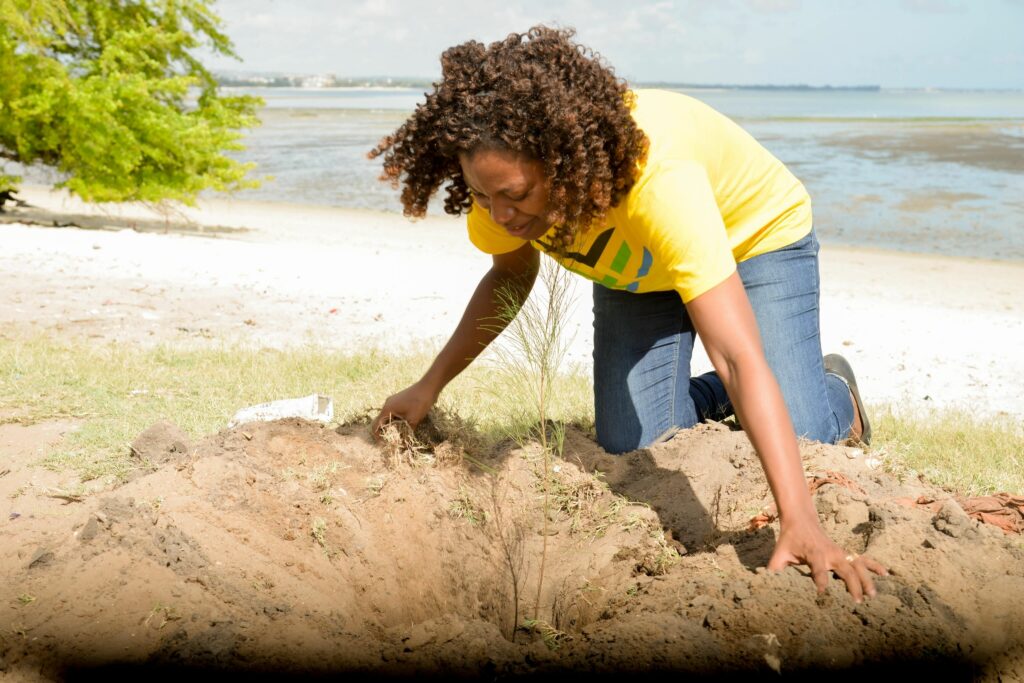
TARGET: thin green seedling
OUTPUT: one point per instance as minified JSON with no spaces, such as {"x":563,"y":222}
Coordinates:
{"x":528,"y":353}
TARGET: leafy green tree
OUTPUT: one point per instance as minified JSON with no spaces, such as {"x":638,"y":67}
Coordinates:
{"x":111,"y":94}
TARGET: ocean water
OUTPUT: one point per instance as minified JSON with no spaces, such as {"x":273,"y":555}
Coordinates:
{"x":922,"y":171}
{"x":915,"y":170}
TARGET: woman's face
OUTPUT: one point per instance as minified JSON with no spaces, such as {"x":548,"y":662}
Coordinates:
{"x":512,"y":187}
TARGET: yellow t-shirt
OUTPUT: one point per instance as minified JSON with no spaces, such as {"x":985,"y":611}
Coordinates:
{"x":708,"y":197}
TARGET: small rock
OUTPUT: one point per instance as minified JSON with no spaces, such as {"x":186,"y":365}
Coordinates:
{"x":879,"y":517}
{"x":952,"y":520}
{"x":89,"y":531}
{"x":40,"y":558}
{"x":161,"y":443}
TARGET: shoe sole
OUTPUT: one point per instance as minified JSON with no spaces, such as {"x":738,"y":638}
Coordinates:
{"x":837,"y":365}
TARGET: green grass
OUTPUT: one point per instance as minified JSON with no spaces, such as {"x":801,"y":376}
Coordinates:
{"x":116,"y":392}
{"x":954,"y":449}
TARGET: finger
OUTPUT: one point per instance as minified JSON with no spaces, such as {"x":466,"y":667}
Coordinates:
{"x":780,"y":560}
{"x":876,"y":567}
{"x":865,"y":577}
{"x":848,"y":573}
{"x":378,"y":424}
{"x":820,"y":577}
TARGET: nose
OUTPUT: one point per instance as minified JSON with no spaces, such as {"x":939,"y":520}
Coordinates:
{"x":502,"y":212}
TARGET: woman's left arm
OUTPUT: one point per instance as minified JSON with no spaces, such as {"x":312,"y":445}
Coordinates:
{"x":726,"y":324}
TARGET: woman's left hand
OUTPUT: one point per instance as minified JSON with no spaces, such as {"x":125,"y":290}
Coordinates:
{"x":806,"y":543}
{"x":726,"y":324}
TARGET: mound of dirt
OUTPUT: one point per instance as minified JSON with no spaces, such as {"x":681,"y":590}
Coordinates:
{"x":294,"y":549}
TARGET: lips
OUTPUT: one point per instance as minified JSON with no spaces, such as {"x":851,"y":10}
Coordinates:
{"x":517,"y":231}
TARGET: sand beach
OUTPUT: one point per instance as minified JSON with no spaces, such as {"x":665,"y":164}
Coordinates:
{"x":920,"y":331}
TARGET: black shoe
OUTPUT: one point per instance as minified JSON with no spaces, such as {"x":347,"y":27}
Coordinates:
{"x":838,"y":366}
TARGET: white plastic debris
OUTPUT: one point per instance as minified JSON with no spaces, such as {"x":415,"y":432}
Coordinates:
{"x":313,"y":407}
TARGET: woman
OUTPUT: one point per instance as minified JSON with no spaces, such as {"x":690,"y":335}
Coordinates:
{"x":686,"y":225}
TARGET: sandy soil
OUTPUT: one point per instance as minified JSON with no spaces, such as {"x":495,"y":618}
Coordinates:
{"x":920,"y":331}
{"x":290,"y":548}
{"x":296,"y":549}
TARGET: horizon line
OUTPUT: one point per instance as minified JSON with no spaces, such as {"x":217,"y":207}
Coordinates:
{"x":417,"y":81}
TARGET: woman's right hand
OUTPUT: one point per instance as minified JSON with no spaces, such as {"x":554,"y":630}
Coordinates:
{"x":514,"y":271}
{"x":410,"y":404}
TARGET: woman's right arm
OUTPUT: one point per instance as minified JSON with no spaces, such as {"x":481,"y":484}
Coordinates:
{"x":509,"y":281}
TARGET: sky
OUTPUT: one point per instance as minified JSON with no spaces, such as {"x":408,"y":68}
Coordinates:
{"x":890,"y":43}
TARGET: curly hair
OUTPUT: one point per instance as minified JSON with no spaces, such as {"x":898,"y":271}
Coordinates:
{"x":538,"y":94}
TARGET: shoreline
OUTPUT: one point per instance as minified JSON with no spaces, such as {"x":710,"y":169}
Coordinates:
{"x":920,"y":330}
{"x":242,"y":218}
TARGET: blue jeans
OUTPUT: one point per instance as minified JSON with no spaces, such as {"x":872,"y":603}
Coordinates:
{"x":643,"y":390}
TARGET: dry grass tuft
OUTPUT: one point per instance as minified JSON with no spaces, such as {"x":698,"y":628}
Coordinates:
{"x":441,"y":440}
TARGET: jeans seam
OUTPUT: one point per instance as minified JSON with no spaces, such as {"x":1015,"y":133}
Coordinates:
{"x":837,"y":423}
{"x":675,"y":381}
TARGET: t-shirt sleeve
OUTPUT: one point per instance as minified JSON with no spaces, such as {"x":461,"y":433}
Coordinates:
{"x":675,"y":208}
{"x":488,"y":236}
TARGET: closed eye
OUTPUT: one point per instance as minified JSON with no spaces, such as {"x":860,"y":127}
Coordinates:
{"x":480,"y":195}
